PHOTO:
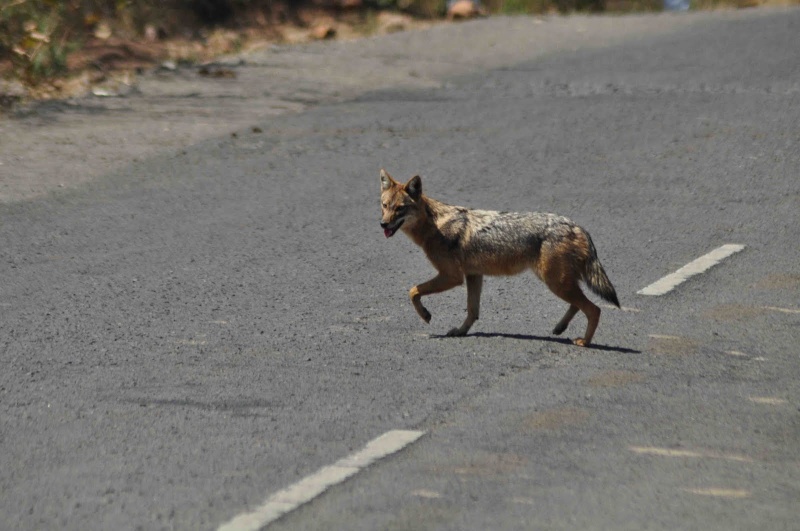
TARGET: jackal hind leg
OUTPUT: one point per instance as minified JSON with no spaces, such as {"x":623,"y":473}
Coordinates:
{"x":576,"y":298}
{"x":439,"y":283}
{"x":474,"y":285}
{"x":566,"y":287}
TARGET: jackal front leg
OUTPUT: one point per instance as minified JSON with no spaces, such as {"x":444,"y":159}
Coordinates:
{"x":439,"y":283}
{"x":474,"y":285}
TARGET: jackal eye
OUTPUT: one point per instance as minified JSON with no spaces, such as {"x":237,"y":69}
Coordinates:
{"x":384,"y":205}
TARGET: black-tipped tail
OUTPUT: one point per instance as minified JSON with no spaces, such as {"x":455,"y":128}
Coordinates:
{"x":598,"y":282}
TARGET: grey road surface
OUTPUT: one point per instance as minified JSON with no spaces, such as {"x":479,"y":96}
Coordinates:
{"x":190,"y":332}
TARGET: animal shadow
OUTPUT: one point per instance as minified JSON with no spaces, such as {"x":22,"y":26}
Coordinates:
{"x":560,"y":340}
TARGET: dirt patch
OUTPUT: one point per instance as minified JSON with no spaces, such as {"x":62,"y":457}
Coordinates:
{"x":555,"y":419}
{"x":779,"y":281}
{"x":672,"y":346}
{"x":615,"y":379}
{"x":733,"y":312}
{"x":484,"y":465}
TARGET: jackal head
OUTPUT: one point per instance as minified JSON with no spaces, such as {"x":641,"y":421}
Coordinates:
{"x":399,"y":203}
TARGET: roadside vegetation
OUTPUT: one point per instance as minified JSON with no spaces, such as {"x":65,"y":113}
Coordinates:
{"x":44,"y":42}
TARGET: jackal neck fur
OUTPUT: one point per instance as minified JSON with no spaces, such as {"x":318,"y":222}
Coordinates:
{"x":436,"y":222}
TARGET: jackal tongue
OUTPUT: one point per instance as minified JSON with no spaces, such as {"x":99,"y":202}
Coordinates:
{"x":388,"y":232}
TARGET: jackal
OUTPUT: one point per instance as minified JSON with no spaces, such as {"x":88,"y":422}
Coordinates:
{"x":465,"y":243}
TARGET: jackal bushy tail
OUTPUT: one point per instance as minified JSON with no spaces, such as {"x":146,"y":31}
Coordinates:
{"x":597,"y":280}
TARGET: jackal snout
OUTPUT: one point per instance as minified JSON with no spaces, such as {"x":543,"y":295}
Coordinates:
{"x":390,"y":228}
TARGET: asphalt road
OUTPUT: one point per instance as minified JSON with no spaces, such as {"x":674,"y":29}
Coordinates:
{"x":187,"y":334}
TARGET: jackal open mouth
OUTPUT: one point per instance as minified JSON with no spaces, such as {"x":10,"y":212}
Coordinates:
{"x":389,"y":231}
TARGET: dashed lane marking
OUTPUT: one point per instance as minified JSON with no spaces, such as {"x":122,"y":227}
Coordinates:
{"x":721,"y":493}
{"x":191,"y":342}
{"x":782,"y":310}
{"x":425,"y":493}
{"x":695,"y":267}
{"x":675,"y":452}
{"x":623,"y":308}
{"x":310,"y":487}
{"x":739,"y":354}
{"x":769,"y":400}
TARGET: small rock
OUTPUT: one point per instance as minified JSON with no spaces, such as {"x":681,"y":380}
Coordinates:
{"x":102,"y":92}
{"x":217,"y":72}
{"x":117,"y":87}
{"x":464,"y":9}
{"x":150,"y":33}
{"x":102,"y":31}
{"x":392,"y":22}
{"x":11,"y":92}
{"x":322,"y":32}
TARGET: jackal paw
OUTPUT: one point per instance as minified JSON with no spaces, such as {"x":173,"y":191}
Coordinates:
{"x":580,"y":342}
{"x":425,"y":314}
{"x":559,"y":329}
{"x":456,"y":332}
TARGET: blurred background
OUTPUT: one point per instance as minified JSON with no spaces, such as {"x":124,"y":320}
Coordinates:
{"x":43,"y":42}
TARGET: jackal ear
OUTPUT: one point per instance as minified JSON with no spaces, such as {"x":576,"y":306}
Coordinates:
{"x":386,"y":180}
{"x":414,"y":187}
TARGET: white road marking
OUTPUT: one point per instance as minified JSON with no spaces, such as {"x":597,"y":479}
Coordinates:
{"x":769,"y":400}
{"x":310,"y":487}
{"x":695,"y":267}
{"x":425,"y":493}
{"x":736,"y":353}
{"x":783,"y":310}
{"x":191,"y":342}
{"x":623,"y":308}
{"x":721,"y":493}
{"x":674,"y":452}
